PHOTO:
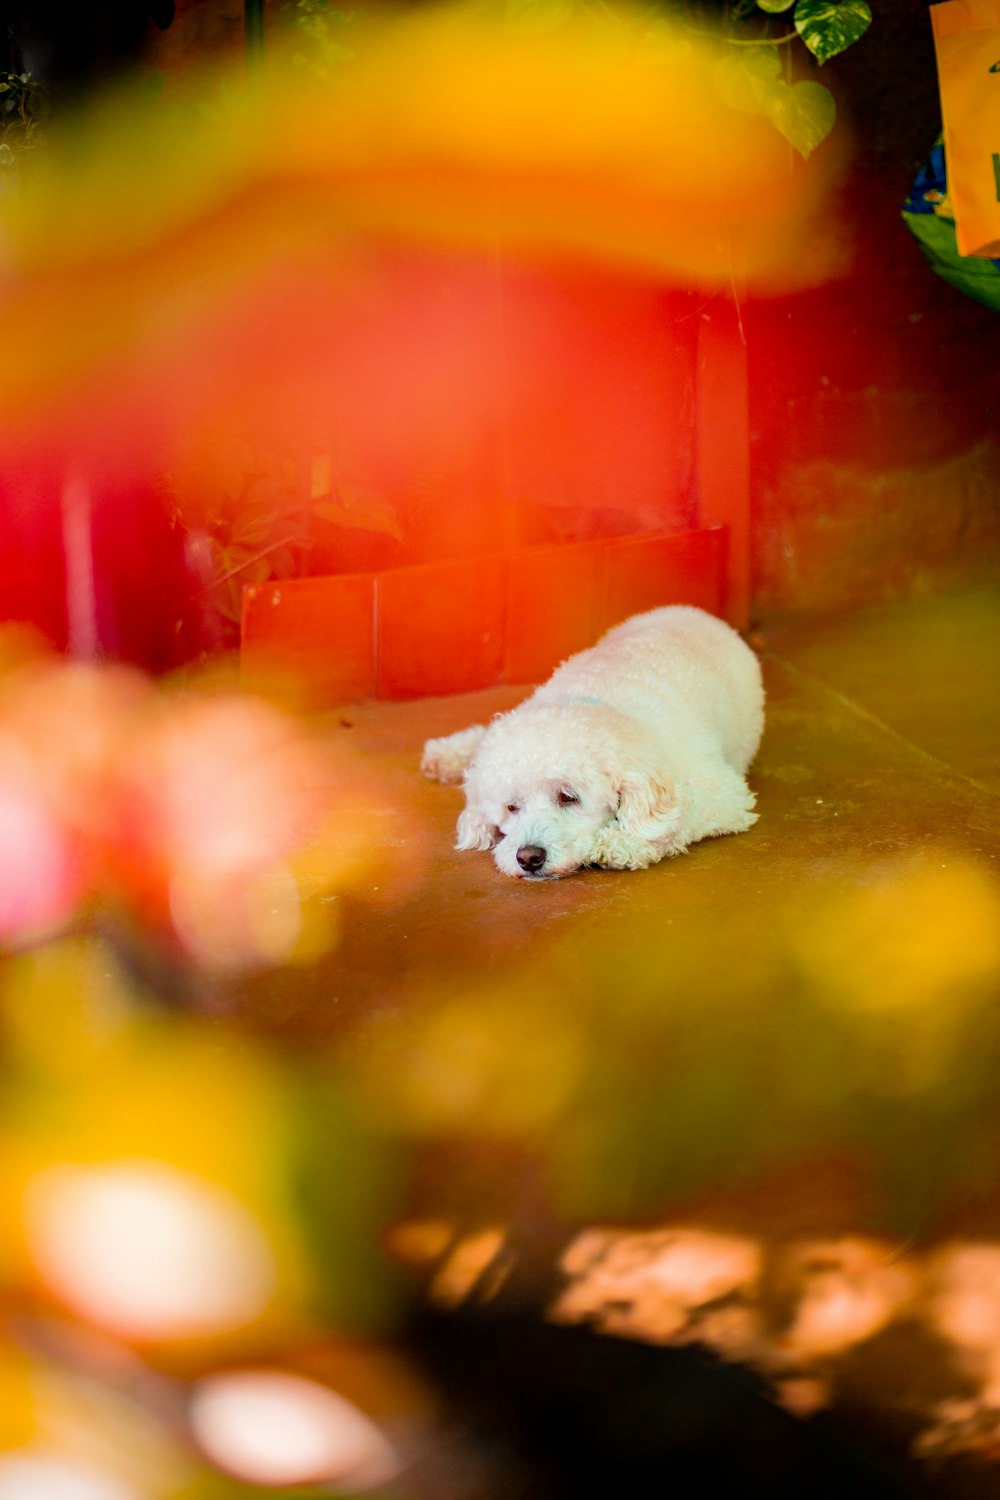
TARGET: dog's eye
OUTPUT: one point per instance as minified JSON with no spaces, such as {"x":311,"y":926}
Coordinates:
{"x":567,"y":799}
{"x":513,"y":807}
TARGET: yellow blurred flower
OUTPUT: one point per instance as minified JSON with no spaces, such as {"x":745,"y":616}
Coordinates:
{"x":907,"y":957}
{"x":478,"y":1064}
{"x":922,"y":933}
{"x":149,"y":1192}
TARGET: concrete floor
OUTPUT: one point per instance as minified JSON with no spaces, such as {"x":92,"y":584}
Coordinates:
{"x":784,"y":1040}
{"x":882,"y":738}
{"x":815,"y":996}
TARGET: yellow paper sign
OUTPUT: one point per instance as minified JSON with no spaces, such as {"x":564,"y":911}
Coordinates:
{"x":967,"y":43}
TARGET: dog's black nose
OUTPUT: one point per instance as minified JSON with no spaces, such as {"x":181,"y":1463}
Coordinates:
{"x":531,"y":857}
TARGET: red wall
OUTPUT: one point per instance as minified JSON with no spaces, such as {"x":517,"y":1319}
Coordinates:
{"x":875,"y":457}
{"x":875,"y":460}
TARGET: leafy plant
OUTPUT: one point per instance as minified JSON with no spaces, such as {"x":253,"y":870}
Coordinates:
{"x":255,"y":510}
{"x":23,"y":107}
{"x":757,"y":79}
{"x":757,"y":76}
{"x":323,"y":34}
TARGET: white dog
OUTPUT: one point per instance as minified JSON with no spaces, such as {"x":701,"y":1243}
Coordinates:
{"x":630,"y":752}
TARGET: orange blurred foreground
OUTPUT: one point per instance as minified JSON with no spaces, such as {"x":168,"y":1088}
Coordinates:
{"x":162,"y":258}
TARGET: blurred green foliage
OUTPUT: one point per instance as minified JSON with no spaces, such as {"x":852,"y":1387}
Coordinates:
{"x":859,"y":1026}
{"x":23,"y":109}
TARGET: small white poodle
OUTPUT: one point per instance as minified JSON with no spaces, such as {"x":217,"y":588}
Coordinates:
{"x":630,"y":752}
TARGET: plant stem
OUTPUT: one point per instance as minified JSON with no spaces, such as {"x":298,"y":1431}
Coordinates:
{"x":249,"y":561}
{"x":764,"y":41}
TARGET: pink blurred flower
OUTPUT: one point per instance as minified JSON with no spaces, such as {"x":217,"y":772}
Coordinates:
{"x":40,"y":878}
{"x":184,"y":813}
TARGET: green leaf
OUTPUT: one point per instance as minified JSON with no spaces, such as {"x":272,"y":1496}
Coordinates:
{"x":805,"y":114}
{"x":762,"y":62}
{"x":775,"y":7}
{"x":362,"y":507}
{"x":829,"y":26}
{"x":746,"y":79}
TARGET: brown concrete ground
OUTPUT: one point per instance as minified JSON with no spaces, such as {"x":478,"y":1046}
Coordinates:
{"x":882,"y":739}
{"x":767,"y":1068}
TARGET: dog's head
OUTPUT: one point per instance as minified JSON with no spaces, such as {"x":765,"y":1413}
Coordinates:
{"x":554,"y":787}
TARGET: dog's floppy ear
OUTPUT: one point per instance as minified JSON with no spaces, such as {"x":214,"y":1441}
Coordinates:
{"x":646,"y":826}
{"x":648,"y":808}
{"x":475,"y":831}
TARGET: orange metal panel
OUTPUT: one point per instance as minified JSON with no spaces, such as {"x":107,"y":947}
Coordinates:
{"x":457,"y":626}
{"x":440,"y":628}
{"x":310,"y":641}
{"x":643,"y":572}
{"x":553,"y":596}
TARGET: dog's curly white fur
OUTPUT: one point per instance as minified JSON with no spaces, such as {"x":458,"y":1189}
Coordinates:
{"x":630,"y":752}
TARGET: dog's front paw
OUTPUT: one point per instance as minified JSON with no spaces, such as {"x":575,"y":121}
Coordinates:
{"x":447,"y":759}
{"x":617,"y":849}
{"x":719,"y":801}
